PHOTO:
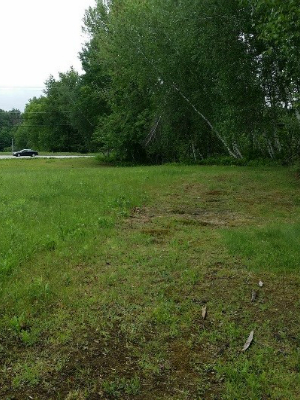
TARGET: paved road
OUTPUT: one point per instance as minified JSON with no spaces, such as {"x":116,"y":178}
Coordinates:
{"x":9,"y":157}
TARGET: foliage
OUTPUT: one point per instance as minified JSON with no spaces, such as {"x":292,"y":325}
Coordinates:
{"x":9,"y":121}
{"x":64,"y":119}
{"x":198,"y":79}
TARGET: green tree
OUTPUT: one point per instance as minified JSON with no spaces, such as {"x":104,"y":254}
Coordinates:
{"x":33,"y":131}
{"x":9,"y":121}
{"x":182,"y":85}
{"x":274,"y":40}
{"x":59,"y":121}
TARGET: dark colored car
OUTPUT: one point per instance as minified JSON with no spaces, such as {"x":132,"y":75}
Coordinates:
{"x":25,"y":152}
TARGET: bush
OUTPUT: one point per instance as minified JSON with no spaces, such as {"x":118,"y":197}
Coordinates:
{"x":223,"y":160}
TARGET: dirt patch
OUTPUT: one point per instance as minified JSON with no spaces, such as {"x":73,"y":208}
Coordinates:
{"x":187,"y":364}
{"x":193,"y":206}
{"x":216,"y":193}
{"x":156,"y":232}
{"x":202,"y":217}
{"x":87,"y":364}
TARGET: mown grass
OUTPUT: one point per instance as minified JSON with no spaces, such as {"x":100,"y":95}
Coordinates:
{"x":104,"y":272}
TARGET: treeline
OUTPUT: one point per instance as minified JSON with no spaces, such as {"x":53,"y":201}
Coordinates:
{"x":178,"y":80}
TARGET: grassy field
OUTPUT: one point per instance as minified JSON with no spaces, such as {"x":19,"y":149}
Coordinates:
{"x":105,"y":273}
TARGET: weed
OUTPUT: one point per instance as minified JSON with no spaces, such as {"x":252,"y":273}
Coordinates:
{"x":17,"y":323}
{"x":118,"y":387}
{"x":27,"y":374}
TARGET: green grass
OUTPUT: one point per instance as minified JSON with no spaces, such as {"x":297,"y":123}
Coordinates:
{"x":272,"y":248}
{"x":104,"y":272}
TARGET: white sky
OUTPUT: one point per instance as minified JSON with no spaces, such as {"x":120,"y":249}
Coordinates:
{"x":38,"y":38}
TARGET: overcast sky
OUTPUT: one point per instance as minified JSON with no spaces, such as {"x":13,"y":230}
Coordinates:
{"x":38,"y":38}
